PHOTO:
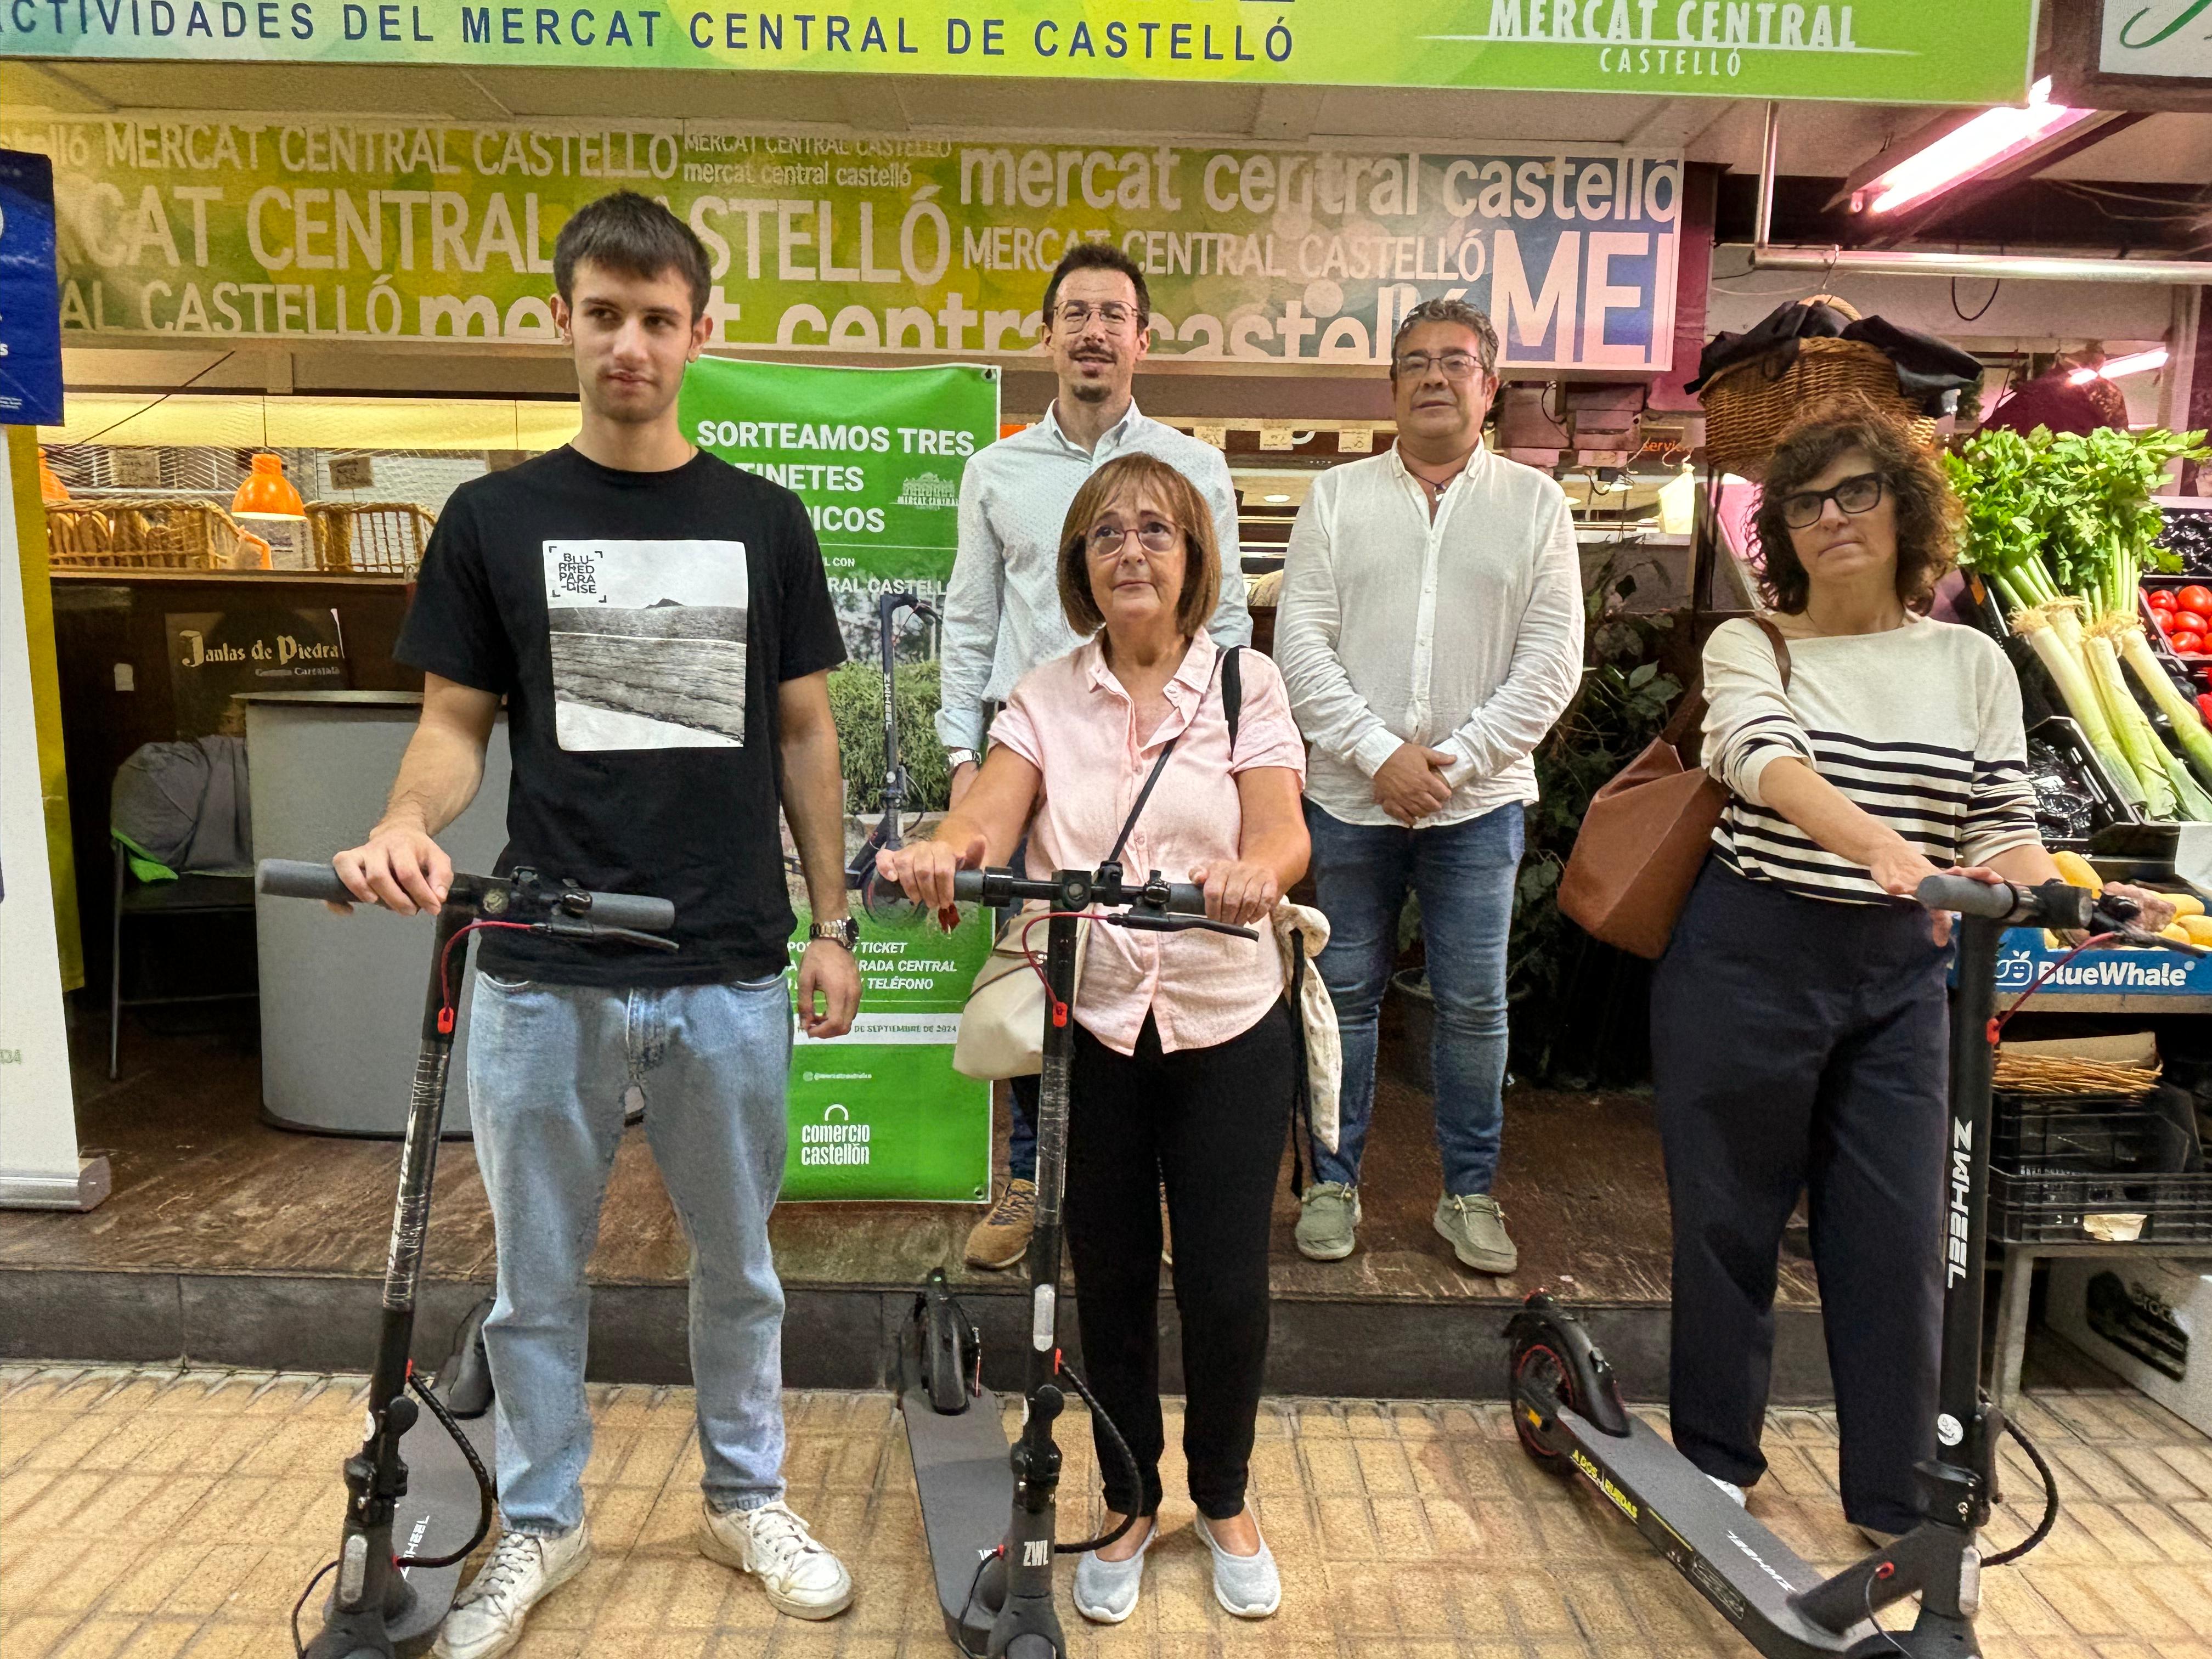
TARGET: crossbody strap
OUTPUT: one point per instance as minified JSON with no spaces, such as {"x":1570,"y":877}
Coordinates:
{"x":1226,"y":662}
{"x":1690,"y":713}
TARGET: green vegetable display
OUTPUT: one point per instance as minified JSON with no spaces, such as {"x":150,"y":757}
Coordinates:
{"x":2062,"y":528}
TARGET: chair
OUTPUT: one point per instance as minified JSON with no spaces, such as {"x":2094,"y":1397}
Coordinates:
{"x":188,"y":895}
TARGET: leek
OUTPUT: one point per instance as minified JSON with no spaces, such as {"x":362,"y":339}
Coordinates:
{"x":2136,"y":735}
{"x":2039,"y":628}
{"x":2189,"y":727}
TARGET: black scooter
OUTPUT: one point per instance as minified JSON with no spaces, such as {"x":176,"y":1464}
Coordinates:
{"x":877,"y":898}
{"x":1568,"y":1415}
{"x":402,"y":1487}
{"x":989,"y":1513}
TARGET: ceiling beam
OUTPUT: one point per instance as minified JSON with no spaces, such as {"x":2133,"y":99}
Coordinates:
{"x":65,"y":92}
{"x":1287,"y":113}
{"x":872,"y":104}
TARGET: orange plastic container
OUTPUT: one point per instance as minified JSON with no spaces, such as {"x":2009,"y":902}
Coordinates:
{"x":268,"y":505}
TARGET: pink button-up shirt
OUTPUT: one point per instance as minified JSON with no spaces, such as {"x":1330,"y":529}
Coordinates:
{"x":1072,"y":721}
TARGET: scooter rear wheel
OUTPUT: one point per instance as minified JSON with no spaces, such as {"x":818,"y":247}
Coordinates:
{"x":1541,"y":1377}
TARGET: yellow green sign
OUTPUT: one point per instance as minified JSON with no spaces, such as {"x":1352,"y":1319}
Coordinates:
{"x":302,"y":228}
{"x":1956,"y":52}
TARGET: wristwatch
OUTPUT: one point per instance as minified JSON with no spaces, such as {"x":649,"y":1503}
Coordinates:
{"x":957,"y":758}
{"x":844,"y":930}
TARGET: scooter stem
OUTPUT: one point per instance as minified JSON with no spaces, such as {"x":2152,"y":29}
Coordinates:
{"x":370,"y":1590}
{"x":1028,"y":1616}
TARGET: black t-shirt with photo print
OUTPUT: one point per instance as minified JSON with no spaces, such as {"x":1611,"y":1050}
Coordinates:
{"x":639,"y":625}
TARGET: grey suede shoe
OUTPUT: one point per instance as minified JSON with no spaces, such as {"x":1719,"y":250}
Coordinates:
{"x":1476,"y":1227}
{"x":1246,"y":1586}
{"x":1106,"y":1591}
{"x":1327,"y":1214}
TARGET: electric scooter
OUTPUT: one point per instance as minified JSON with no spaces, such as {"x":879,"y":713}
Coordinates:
{"x":1568,"y":1415}
{"x":401,"y":1487}
{"x":876,"y":898}
{"x":989,"y":1512}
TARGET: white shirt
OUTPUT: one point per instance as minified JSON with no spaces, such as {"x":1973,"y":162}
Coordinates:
{"x":1463,"y":634}
{"x":1002,"y":615}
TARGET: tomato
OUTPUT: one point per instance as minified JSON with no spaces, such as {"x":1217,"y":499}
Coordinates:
{"x":2160,"y":598}
{"x":2187,"y":621}
{"x":2195,"y":597}
{"x":2187,"y":644}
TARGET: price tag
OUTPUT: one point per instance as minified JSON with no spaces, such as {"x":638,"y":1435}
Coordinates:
{"x":1216,"y":435}
{"x":1356,"y":440}
{"x":1277,"y":437}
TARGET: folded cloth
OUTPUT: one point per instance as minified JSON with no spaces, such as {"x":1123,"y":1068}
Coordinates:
{"x":1930,"y":372}
{"x":1300,"y":930}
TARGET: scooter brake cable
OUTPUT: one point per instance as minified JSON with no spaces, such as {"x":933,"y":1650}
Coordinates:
{"x":445,"y":959}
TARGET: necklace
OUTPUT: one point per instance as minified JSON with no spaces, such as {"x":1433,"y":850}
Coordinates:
{"x":1436,"y":486}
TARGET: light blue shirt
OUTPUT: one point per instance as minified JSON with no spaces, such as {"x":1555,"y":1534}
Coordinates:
{"x":1002,"y":615}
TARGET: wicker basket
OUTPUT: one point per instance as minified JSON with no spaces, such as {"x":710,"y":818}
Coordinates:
{"x":1750,"y":405}
{"x":369,"y":539}
{"x":141,"y":532}
{"x":2051,"y":1075}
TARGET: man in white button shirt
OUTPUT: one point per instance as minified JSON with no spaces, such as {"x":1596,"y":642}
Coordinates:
{"x":1002,"y":613}
{"x":1431,"y":632}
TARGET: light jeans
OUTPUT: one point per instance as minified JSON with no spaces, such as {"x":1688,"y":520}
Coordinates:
{"x":549,"y":1068}
{"x":1463,"y":874}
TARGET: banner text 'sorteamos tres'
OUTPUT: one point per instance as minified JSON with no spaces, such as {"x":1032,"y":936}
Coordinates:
{"x":877,"y":456}
{"x":1927,"y":51}
{"x":291,"y":227}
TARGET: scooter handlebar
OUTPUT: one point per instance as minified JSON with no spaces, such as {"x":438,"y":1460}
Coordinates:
{"x":297,"y":879}
{"x":647,"y":916}
{"x":1969,"y":897}
{"x":1184,"y":899}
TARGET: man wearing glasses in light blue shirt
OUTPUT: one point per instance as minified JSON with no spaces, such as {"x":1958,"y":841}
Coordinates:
{"x":1002,"y":612}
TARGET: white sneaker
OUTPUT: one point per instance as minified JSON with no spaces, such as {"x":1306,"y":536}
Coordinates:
{"x":523,"y":1570}
{"x":800,"y":1575}
{"x":1734,"y":1492}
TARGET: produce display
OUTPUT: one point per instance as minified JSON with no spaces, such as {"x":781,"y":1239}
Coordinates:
{"x":2187,"y":537}
{"x":2065,"y":809}
{"x":2183,"y":617}
{"x":2062,"y":529}
{"x":2190,"y":925}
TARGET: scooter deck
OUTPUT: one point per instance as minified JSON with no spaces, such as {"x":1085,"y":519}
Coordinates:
{"x":1736,"y":1563}
{"x":436,"y":1515}
{"x":967,"y":1489}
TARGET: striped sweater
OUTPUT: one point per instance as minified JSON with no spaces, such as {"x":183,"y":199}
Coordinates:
{"x":1919,"y":726}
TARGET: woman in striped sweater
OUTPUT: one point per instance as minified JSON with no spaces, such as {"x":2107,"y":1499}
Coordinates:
{"x":1799,"y":1033}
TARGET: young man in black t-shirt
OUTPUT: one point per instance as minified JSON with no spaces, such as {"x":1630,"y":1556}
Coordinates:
{"x":660,"y":627}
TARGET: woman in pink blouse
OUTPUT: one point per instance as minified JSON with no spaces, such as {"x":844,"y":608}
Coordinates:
{"x":1184,"y":1043}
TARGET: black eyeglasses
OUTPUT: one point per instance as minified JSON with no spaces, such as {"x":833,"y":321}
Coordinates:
{"x":1860,"y":493}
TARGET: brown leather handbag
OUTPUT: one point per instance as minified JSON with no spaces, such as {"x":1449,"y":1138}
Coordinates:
{"x":1647,"y":833}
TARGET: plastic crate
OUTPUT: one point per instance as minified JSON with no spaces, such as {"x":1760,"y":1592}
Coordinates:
{"x":2107,"y":807}
{"x":2037,"y":1135}
{"x":2042,"y":1209}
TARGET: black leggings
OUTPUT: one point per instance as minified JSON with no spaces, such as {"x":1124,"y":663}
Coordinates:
{"x":1211,"y":1122}
{"x":1800,"y":1045}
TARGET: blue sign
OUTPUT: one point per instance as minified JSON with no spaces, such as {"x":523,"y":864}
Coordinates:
{"x":2025,"y":953}
{"x":30,"y":294}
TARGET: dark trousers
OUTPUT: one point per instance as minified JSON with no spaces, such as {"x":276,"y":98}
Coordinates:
{"x":1800,"y":1045}
{"x":1211,"y":1123}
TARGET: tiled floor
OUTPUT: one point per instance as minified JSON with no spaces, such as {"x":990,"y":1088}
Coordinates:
{"x":153,"y":1513}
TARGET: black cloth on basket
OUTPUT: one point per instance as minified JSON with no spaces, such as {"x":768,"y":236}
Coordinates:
{"x":1930,"y":372}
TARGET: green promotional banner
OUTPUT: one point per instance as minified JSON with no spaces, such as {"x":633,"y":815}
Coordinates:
{"x":877,"y":456}
{"x":1963,"y":51}
{"x":303,"y":227}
